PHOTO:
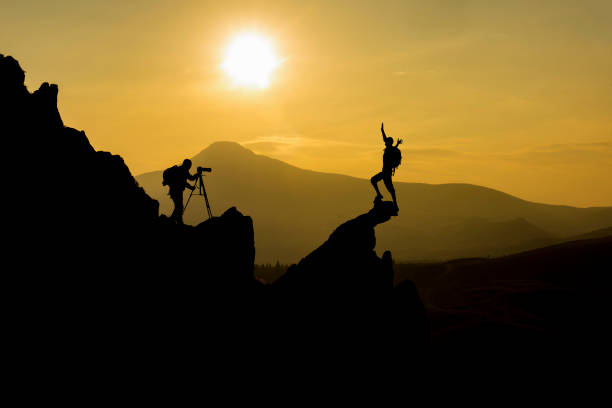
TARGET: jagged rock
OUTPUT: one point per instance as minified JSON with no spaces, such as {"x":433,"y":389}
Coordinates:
{"x":44,"y":101}
{"x":98,"y":258}
{"x":344,"y":287}
{"x":217,"y":252}
{"x":12,"y":78}
{"x":89,"y":214}
{"x":346,"y":261}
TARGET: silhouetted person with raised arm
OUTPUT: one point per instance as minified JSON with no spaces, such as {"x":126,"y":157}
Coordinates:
{"x":176,"y":178}
{"x":391,"y":159}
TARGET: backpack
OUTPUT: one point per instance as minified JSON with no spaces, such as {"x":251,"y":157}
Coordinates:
{"x":395,"y":157}
{"x":171,"y":176}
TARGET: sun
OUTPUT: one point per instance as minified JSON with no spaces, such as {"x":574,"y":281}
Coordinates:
{"x":250,"y":60}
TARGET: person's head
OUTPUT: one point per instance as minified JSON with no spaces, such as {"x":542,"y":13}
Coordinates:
{"x":389,"y":142}
{"x":186,"y":164}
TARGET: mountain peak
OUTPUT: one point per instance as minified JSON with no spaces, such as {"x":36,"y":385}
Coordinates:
{"x":225,"y":148}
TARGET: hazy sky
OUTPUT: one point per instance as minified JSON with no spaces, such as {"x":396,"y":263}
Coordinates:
{"x":514,"y":95}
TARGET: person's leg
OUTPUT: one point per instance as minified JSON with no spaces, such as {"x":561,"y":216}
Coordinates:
{"x":177,"y":214}
{"x":174,"y":212}
{"x":389,"y":185}
{"x":374,"y":180}
{"x":179,"y":204}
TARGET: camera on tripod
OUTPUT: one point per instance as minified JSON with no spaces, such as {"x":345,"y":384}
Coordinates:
{"x":201,"y":191}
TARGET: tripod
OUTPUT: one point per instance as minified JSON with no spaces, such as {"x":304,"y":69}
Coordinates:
{"x":199,"y":185}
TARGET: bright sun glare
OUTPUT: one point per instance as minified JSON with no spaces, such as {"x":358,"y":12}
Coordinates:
{"x":250,"y":60}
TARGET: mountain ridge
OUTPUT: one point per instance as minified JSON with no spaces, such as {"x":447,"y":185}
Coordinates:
{"x":215,"y":145}
{"x":315,"y":202}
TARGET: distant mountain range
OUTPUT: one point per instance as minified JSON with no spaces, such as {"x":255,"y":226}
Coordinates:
{"x":294,"y":210}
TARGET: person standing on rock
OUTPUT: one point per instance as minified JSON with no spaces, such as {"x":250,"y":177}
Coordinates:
{"x":176,"y":178}
{"x":392,"y":158}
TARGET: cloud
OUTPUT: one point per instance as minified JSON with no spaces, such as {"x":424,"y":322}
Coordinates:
{"x":432,"y":152}
{"x":291,"y":146}
{"x":435,"y":162}
{"x":282,"y":146}
{"x":564,"y":153}
{"x":588,"y":153}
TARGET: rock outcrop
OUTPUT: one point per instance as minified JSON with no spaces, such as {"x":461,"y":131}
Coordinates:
{"x":96,"y":259}
{"x":347,"y":261}
{"x":344,"y":290}
{"x":92,"y":238}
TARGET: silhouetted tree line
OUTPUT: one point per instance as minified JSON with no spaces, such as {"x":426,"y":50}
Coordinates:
{"x":270,"y":272}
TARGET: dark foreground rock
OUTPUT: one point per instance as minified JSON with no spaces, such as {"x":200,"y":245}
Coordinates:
{"x":99,"y":276}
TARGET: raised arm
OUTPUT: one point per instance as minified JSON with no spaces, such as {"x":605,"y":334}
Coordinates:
{"x":382,"y":129}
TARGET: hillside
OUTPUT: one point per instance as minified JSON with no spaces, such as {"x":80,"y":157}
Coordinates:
{"x":436,"y":221}
{"x":548,"y":296}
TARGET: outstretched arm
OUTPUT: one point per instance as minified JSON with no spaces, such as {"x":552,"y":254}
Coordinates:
{"x":382,"y":129}
{"x":192,"y":178}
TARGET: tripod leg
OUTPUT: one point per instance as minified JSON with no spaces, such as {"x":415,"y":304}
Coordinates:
{"x":206,"y":200}
{"x":190,"y":194}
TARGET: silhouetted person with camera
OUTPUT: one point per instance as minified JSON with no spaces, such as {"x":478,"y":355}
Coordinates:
{"x":392,"y":158}
{"x":176,"y":178}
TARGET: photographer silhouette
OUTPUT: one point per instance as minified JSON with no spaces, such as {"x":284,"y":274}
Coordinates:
{"x":176,"y":178}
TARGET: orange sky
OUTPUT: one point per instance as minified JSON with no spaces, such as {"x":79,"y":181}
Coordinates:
{"x":511,"y":95}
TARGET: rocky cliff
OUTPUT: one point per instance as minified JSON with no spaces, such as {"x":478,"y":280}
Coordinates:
{"x":98,"y":261}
